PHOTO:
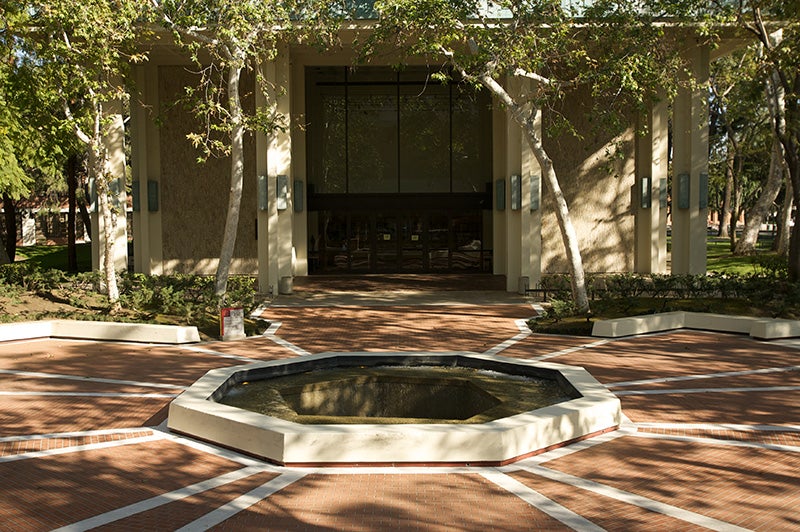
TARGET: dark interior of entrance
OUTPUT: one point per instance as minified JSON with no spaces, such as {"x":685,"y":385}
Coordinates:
{"x":399,"y":172}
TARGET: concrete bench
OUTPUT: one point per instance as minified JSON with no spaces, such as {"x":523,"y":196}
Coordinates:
{"x":99,"y":330}
{"x":761,"y":328}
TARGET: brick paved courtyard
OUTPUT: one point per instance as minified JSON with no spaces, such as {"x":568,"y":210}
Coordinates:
{"x":714,"y":438}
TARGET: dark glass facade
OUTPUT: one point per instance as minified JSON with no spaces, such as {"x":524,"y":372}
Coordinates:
{"x":398,"y":172}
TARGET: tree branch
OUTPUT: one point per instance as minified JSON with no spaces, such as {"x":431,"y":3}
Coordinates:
{"x":82,"y":136}
{"x":536,"y":77}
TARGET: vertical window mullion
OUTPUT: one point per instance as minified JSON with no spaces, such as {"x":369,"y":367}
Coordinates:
{"x":397,"y":129}
{"x":450,"y":131}
{"x":346,"y":133}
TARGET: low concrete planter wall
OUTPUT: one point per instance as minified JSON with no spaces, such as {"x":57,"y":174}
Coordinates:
{"x":99,"y":330}
{"x":761,"y":328}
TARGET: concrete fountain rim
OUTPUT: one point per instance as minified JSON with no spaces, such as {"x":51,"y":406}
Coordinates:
{"x":494,"y":442}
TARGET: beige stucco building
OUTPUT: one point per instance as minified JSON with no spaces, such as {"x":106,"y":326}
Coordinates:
{"x":386,"y":171}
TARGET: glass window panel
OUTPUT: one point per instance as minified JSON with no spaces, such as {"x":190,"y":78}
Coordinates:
{"x":372,"y":139}
{"x":424,"y":138}
{"x":327,"y":127}
{"x":333,"y":241}
{"x":329,"y":175}
{"x":472,"y":140}
{"x":372,"y":75}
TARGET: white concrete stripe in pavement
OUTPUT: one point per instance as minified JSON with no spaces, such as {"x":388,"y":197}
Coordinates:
{"x":160,"y":500}
{"x":90,"y":394}
{"x":720,"y":426}
{"x":635,"y":500}
{"x":270,"y":333}
{"x":575,"y":349}
{"x":74,"y":434}
{"x":78,"y":448}
{"x":244,"y":502}
{"x":204,"y":351}
{"x":715,"y":441}
{"x":668,"y":391}
{"x":540,"y":502}
{"x":524,"y":332}
{"x":40,"y":375}
{"x":703,"y":376}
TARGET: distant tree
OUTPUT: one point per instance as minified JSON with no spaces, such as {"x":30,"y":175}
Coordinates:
{"x":775,"y":24}
{"x":740,"y":137}
{"x":14,"y":182}
{"x":79,"y":57}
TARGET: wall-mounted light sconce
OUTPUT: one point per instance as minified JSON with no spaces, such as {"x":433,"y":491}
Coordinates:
{"x":645,"y":192}
{"x":500,"y":194}
{"x":136,"y":196}
{"x":703,"y":199}
{"x":516,"y":192}
{"x":683,"y":191}
{"x":535,"y":191}
{"x":282,"y":193}
{"x":152,"y":195}
{"x":263,"y":198}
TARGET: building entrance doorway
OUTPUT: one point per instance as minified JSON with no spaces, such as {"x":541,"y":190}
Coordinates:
{"x":398,"y":242}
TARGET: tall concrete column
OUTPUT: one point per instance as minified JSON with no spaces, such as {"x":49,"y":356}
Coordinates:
{"x":499,"y":192}
{"x":299,"y":183}
{"x":114,"y":144}
{"x":275,"y":254}
{"x":145,"y":156}
{"x":650,"y":194}
{"x":532,"y":211}
{"x":518,"y":239}
{"x":513,"y":192}
{"x":690,"y":170}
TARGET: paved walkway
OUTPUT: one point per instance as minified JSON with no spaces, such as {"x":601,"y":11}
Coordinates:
{"x":714,"y":440}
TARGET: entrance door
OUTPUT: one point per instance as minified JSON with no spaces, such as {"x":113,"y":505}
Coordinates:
{"x":387,"y":243}
{"x":397,"y":242}
{"x":413,"y":243}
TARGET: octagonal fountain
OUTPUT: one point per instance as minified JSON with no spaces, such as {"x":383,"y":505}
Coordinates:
{"x":395,"y":408}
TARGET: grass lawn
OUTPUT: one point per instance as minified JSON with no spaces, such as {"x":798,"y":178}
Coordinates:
{"x":722,"y":260}
{"x":55,"y":257}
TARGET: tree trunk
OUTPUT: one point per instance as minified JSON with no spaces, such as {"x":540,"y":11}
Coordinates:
{"x":758,"y":213}
{"x":725,"y":210}
{"x":99,"y":164}
{"x":10,"y":218}
{"x":237,"y":180}
{"x":3,"y":255}
{"x":526,"y":120}
{"x":786,"y":124}
{"x":736,"y":195}
{"x":781,"y":242}
{"x":83,"y":208}
{"x":72,"y":186}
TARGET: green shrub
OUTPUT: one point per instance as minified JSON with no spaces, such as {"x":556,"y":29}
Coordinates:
{"x":557,"y":287}
{"x":184,"y":294}
{"x":29,"y":276}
